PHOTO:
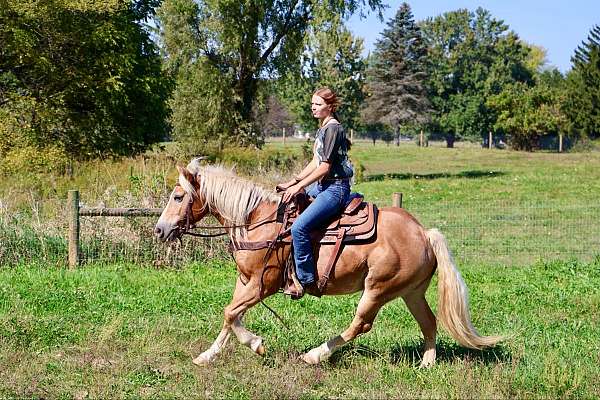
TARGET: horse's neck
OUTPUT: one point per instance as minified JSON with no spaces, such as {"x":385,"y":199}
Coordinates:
{"x":264,"y":212}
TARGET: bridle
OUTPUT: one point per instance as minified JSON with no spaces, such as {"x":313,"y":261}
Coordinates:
{"x":186,"y":229}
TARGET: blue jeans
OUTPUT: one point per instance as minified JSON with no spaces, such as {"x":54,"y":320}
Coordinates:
{"x":331,"y":197}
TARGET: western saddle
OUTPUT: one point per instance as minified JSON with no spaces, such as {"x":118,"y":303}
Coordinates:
{"x":357,"y":223}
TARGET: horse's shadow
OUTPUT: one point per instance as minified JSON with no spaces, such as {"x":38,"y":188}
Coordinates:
{"x":412,"y":354}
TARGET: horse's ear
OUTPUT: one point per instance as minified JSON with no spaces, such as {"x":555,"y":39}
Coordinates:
{"x":188,"y":176}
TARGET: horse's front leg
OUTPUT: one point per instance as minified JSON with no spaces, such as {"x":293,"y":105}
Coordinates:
{"x":244,"y":297}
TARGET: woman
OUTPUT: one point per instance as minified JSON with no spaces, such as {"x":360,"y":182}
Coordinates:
{"x":332,"y":171}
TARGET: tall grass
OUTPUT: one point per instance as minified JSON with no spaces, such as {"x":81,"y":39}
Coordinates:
{"x":494,"y":206}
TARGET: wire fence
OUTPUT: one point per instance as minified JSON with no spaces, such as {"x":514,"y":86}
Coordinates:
{"x":494,"y":233}
{"x":515,"y":233}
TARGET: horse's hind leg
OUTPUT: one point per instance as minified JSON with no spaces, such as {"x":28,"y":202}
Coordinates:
{"x":419,"y":308}
{"x":244,"y":297}
{"x":367,"y":310}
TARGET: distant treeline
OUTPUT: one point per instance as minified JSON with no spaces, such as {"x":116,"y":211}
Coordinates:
{"x":98,"y":79}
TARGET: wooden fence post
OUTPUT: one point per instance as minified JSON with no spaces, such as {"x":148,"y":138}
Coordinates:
{"x":490,"y":140}
{"x":284,"y":136}
{"x":73,"y":204}
{"x":421,"y":142}
{"x":351,"y":135}
{"x":397,"y":200}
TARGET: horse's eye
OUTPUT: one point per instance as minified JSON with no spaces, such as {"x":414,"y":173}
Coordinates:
{"x":178,"y":198}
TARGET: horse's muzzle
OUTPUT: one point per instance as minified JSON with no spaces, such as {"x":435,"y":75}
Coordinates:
{"x":164,"y":235}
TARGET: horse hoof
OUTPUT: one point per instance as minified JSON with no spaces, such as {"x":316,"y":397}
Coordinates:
{"x":257,"y":346}
{"x":310,"y":359}
{"x":201,"y":361}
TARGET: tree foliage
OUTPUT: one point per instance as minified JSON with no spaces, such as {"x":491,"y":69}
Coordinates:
{"x":472,"y":56}
{"x":332,"y":58}
{"x":528,"y":113}
{"x":396,"y":76}
{"x":582,"y":104}
{"x":219,"y":51}
{"x":79,"y":79}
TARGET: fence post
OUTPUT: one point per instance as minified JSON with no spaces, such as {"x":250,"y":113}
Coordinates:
{"x":351,"y":135}
{"x":560,"y":143}
{"x":284,"y":136}
{"x":73,"y":205}
{"x":490,"y":140}
{"x":397,"y":200}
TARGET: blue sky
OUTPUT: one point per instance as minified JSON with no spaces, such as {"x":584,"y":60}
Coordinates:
{"x":557,"y":25}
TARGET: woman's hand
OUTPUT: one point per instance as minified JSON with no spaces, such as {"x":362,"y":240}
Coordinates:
{"x":282,"y":187}
{"x":291,"y":192}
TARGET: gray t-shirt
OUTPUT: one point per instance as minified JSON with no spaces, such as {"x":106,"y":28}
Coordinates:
{"x":331,"y":145}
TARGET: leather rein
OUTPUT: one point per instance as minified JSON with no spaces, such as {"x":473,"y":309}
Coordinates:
{"x":186,"y":229}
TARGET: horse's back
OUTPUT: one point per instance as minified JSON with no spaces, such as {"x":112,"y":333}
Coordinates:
{"x":399,"y":255}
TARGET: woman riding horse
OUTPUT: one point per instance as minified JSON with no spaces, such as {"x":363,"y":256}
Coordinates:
{"x":331,"y":170}
{"x":399,"y":262}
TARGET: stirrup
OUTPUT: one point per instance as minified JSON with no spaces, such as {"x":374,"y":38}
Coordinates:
{"x":295,"y":291}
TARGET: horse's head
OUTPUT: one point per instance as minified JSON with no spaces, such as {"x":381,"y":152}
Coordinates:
{"x":184,"y":209}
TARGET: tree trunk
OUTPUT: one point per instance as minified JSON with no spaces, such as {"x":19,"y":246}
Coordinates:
{"x":450,"y":138}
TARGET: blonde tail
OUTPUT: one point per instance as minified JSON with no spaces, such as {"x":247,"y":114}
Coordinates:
{"x":453,"y":301}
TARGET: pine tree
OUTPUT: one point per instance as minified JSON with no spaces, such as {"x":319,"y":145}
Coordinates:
{"x":582,"y":106}
{"x":582,"y":53}
{"x":395,"y":78}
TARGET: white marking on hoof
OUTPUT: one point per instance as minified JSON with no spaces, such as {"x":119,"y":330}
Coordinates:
{"x":257,"y":346}
{"x":428,"y":359}
{"x":316,"y":355}
{"x":204,"y":359}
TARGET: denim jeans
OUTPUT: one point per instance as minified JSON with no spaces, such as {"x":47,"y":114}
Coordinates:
{"x":330,"y":199}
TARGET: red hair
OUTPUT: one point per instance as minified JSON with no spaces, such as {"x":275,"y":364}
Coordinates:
{"x":330,"y":98}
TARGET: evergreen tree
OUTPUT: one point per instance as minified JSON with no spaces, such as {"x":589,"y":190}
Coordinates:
{"x":396,"y":92}
{"x":582,"y":105}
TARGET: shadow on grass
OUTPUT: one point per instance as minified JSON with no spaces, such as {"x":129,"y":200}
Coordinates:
{"x":474,"y":174}
{"x":412,"y":354}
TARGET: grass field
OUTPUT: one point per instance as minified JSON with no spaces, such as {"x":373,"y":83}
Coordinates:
{"x":131,"y":331}
{"x":523,"y":227}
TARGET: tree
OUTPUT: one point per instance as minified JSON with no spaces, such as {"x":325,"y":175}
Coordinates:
{"x":582,"y":105}
{"x":472,"y":56}
{"x":537,"y":58}
{"x":219,"y":50}
{"x":79,"y":79}
{"x":332,"y":58}
{"x":527,"y":113}
{"x":274,"y":118}
{"x":396,"y":75}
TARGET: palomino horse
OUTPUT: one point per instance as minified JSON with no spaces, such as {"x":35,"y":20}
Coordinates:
{"x":398,"y":263}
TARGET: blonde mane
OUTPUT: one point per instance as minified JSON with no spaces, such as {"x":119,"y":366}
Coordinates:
{"x":231,"y":196}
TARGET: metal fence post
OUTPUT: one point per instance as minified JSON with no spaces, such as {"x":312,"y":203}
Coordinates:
{"x":73,"y":205}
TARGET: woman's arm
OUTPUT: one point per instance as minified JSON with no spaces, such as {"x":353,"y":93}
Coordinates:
{"x":316,"y":174}
{"x":310,"y":167}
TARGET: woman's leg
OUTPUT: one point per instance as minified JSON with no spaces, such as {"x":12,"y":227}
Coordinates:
{"x":324,"y":207}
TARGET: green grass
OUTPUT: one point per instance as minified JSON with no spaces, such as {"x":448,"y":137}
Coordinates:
{"x":125,"y":328}
{"x":109,"y":331}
